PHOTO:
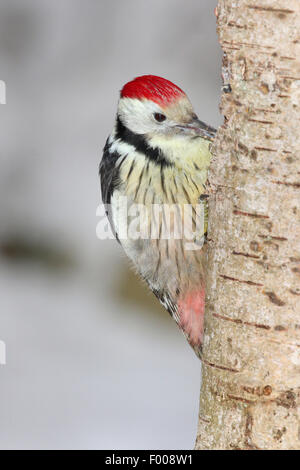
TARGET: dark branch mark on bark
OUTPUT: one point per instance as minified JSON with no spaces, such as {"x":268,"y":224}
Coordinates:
{"x":241,"y":322}
{"x":287,"y":399}
{"x":262,"y":122}
{"x":280,"y":328}
{"x":216,"y":366}
{"x":288,"y":77}
{"x":259,"y":46}
{"x":266,"y":149}
{"x":274,"y":299}
{"x":287,"y":58}
{"x":243,"y":400}
{"x":248,"y":214}
{"x":232,"y":24}
{"x":205,"y":420}
{"x":250,"y":283}
{"x":295,"y":185}
{"x":264,"y":110}
{"x":273,"y":237}
{"x":259,"y":391}
{"x":231,"y":48}
{"x":271,"y":9}
{"x":247,"y":255}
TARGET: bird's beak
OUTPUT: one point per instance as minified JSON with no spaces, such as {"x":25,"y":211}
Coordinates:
{"x":198,"y":128}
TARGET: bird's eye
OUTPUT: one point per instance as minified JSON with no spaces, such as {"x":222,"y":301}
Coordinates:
{"x":159,"y":117}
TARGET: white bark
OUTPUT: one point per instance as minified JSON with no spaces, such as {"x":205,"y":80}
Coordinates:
{"x":251,"y":368}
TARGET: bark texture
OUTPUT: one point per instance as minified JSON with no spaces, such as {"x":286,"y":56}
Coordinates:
{"x":250,"y":391}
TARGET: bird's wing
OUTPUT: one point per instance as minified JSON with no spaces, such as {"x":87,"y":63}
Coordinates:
{"x":169,"y":304}
{"x":110,"y":180}
{"x":172,"y":307}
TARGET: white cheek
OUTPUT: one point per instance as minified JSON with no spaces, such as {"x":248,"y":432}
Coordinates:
{"x":137,"y":115}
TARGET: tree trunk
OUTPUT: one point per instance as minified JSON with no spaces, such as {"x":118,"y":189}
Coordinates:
{"x":250,"y":390}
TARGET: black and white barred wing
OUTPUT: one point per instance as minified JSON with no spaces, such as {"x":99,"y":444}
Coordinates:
{"x":110,"y":181}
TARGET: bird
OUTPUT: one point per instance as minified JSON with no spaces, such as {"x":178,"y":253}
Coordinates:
{"x":157,"y":156}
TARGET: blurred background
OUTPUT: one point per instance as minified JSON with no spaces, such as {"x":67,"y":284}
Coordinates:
{"x":93,"y":360}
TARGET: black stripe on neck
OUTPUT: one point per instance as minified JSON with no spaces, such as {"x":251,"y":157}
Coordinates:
{"x":140,"y":144}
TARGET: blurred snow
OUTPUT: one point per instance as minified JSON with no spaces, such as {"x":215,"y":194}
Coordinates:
{"x":93,"y":361}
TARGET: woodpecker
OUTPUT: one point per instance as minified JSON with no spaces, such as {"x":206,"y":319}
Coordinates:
{"x":158,"y":154}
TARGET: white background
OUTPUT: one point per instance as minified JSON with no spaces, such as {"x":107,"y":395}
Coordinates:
{"x":93,"y":361}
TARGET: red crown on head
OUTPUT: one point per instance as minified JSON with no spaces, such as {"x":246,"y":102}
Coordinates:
{"x":152,"y":88}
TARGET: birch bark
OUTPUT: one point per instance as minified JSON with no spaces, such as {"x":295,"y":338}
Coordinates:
{"x":250,"y":392}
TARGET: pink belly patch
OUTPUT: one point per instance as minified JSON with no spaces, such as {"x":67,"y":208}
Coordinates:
{"x":191,"y":310}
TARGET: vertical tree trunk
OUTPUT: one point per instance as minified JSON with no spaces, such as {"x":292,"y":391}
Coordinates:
{"x":251,"y":368}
